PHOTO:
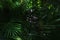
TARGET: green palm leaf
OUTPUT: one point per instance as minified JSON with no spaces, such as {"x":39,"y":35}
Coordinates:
{"x":11,"y":30}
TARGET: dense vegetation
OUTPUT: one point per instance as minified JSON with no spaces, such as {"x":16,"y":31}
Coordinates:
{"x":29,"y":19}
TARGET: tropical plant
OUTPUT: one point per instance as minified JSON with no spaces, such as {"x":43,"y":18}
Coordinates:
{"x":29,"y":19}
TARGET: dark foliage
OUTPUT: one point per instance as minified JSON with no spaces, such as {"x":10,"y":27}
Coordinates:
{"x":29,"y":19}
